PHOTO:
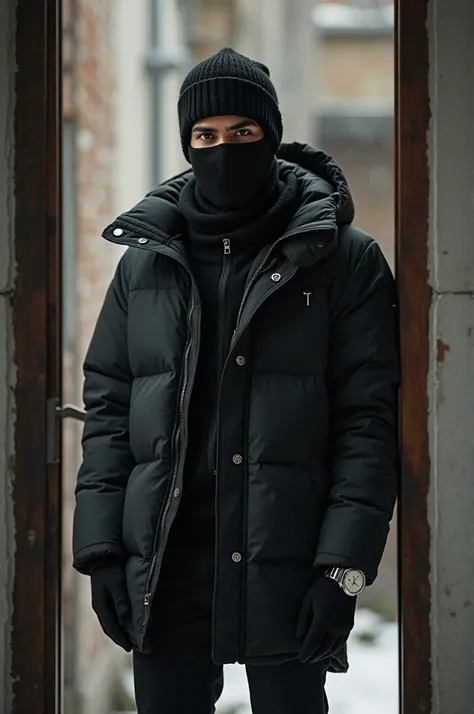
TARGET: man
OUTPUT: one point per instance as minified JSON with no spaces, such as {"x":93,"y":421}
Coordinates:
{"x":240,"y":445}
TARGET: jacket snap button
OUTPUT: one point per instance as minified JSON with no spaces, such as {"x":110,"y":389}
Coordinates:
{"x":237,"y":459}
{"x":143,"y":240}
{"x":118,"y":232}
{"x":240,"y":360}
{"x":176,"y":492}
{"x":276,"y":277}
{"x":320,"y":245}
{"x":236,"y":557}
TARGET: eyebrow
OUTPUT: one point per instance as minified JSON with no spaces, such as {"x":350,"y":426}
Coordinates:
{"x":202,"y":128}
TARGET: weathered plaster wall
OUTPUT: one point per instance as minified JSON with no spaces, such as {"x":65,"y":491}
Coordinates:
{"x":451,"y":377}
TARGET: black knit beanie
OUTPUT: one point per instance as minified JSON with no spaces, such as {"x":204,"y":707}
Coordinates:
{"x":229,"y":83}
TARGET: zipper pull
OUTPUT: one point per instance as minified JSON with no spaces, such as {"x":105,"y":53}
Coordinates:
{"x":147,"y":599}
{"x":226,"y":242}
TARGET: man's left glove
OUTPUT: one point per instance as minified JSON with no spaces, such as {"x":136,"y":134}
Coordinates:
{"x":325,"y":621}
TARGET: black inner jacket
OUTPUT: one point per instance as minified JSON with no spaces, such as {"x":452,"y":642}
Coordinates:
{"x":307,"y":453}
{"x":222,"y":247}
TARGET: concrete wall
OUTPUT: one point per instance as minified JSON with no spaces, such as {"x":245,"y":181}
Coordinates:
{"x":451,"y":377}
{"x":7,"y":372}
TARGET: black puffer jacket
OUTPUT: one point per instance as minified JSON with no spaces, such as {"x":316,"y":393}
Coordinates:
{"x":307,"y":416}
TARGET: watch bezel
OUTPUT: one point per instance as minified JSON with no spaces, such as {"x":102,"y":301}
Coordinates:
{"x":344,"y":586}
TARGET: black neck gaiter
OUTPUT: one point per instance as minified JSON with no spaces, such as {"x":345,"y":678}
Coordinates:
{"x":230,"y":176}
{"x":261,"y":221}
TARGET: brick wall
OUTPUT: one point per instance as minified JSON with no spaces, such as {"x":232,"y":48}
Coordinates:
{"x":95,"y":86}
{"x":356,"y":69}
{"x":89,"y":105}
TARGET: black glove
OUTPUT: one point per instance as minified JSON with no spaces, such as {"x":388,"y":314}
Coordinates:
{"x":110,"y":602}
{"x":325,"y":621}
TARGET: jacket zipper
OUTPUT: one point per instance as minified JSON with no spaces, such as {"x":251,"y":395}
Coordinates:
{"x":226,"y":263}
{"x":159,"y":553}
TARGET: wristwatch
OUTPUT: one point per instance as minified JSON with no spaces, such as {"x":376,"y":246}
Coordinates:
{"x":352,"y":582}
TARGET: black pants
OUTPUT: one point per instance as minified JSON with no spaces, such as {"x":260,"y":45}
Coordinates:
{"x":179,"y":677}
{"x":167,"y":684}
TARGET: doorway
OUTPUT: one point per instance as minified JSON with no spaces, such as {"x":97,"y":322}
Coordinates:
{"x":45,"y":141}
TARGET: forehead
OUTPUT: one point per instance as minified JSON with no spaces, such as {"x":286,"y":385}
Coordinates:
{"x":224,"y":122}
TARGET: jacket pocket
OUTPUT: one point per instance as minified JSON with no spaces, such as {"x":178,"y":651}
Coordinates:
{"x":146,"y":492}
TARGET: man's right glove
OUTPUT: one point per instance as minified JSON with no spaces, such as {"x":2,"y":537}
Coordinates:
{"x":326,"y":620}
{"x":111,"y":603}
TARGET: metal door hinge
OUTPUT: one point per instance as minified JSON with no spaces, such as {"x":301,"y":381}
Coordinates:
{"x":55,"y":413}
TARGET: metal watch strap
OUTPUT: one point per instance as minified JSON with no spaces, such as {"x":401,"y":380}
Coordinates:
{"x":338,"y":574}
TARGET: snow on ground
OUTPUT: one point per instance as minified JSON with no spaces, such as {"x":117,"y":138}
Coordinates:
{"x":370,"y":686}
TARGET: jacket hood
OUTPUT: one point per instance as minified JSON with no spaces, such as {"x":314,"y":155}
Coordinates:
{"x":325,"y":195}
{"x":325,"y":191}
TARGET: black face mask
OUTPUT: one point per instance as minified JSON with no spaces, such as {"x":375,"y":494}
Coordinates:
{"x":231,"y":175}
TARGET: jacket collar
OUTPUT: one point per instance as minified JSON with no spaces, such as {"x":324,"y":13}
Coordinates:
{"x":326,"y":203}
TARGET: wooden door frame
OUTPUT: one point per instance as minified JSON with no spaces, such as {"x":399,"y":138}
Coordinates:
{"x":36,"y":651}
{"x":412,"y":117}
{"x":36,"y":310}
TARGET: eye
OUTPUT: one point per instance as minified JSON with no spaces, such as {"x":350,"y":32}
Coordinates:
{"x":206,"y":136}
{"x":244,"y":132}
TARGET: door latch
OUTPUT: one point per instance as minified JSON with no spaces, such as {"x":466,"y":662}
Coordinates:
{"x":55,"y":413}
{"x":70,"y":411}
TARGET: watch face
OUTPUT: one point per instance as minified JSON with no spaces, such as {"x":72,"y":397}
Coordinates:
{"x":354,"y":582}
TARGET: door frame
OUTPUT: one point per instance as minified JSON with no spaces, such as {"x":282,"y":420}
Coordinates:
{"x":36,"y":631}
{"x":412,"y":186}
{"x":36,"y":641}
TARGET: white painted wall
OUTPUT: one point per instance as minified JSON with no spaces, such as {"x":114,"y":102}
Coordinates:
{"x":171,"y":30}
{"x":132,"y":115}
{"x":133,"y":107}
{"x":451,"y":377}
{"x":7,"y":371}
